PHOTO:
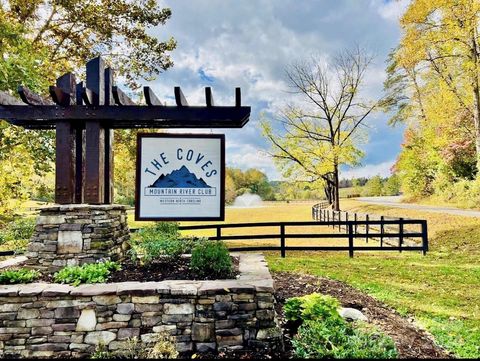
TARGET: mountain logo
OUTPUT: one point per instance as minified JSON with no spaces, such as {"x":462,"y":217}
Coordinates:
{"x":179,"y":178}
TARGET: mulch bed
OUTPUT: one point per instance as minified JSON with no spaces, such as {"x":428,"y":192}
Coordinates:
{"x":167,"y":269}
{"x":410,"y":341}
{"x":171,"y":269}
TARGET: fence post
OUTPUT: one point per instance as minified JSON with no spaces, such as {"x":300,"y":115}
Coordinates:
{"x":339,"y":220}
{"x":346,"y":220}
{"x":282,"y":240}
{"x":350,"y":239}
{"x":381,"y":231}
{"x":366,"y":228}
{"x":219,"y":233}
{"x":400,"y":231}
{"x":356,"y":225}
{"x":328,"y":217}
{"x":424,"y":237}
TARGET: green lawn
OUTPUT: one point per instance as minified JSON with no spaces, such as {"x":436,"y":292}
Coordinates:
{"x":441,"y":290}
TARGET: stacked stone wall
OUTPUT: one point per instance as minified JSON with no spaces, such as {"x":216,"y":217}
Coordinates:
{"x":44,"y":320}
{"x":77,"y":234}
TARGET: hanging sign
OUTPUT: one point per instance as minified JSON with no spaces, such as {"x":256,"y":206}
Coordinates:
{"x":180,"y":177}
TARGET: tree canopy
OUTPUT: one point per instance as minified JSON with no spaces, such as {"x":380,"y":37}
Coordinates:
{"x":310,"y":141}
{"x":433,"y":87}
{"x":42,"y":39}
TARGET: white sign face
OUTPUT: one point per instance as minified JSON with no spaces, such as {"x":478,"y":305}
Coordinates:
{"x":180,"y":177}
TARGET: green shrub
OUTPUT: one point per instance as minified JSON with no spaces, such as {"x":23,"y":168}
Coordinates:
{"x":163,"y":247}
{"x":22,"y":275}
{"x":19,"y":229}
{"x":87,"y":273}
{"x":311,"y":307}
{"x":211,"y":258}
{"x":160,"y":230}
{"x":334,"y":338}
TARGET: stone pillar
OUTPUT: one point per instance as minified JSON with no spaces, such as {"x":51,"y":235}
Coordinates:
{"x":74,"y":234}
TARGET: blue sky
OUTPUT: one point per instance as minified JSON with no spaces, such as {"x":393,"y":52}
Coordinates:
{"x":225,"y":44}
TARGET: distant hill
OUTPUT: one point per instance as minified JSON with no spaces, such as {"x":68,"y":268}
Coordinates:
{"x":179,"y":178}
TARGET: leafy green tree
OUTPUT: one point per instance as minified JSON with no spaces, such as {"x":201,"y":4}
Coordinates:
{"x":40,"y":40}
{"x":391,"y":187}
{"x":373,"y":187}
{"x":433,"y":87}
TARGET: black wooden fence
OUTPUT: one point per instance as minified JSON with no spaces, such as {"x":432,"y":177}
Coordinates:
{"x":282,"y":235}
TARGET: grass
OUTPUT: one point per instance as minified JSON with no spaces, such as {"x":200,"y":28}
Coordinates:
{"x":441,"y":290}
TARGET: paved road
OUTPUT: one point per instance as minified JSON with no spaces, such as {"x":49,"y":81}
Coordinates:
{"x":394,"y":201}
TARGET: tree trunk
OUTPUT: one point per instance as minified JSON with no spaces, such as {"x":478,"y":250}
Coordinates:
{"x":476,"y":99}
{"x":336,"y":204}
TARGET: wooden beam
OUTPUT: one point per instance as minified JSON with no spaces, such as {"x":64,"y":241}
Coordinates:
{"x":209,"y":97}
{"x":150,"y":98}
{"x":109,"y":99}
{"x":79,"y":93}
{"x":95,"y":80}
{"x":180,"y":98}
{"x":135,"y":116}
{"x":120,"y":97}
{"x":59,"y":96}
{"x":31,"y":98}
{"x":87,"y":96}
{"x":238,"y":97}
{"x":7,"y":99}
{"x":64,"y":93}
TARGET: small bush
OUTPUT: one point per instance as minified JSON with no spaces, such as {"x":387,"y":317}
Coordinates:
{"x":334,"y":338}
{"x":19,"y":229}
{"x":164,"y":247}
{"x":311,"y":307}
{"x":160,"y":230}
{"x":212,"y":259}
{"x":22,"y":275}
{"x":87,"y":273}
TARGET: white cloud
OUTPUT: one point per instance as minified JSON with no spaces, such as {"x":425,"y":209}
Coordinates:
{"x":369,"y":170}
{"x":392,"y":9}
{"x":248,"y":44}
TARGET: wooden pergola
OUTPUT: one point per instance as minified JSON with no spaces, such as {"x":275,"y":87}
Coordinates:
{"x":84,"y":116}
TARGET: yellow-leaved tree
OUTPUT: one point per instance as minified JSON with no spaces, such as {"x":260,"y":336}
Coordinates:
{"x":311,"y":140}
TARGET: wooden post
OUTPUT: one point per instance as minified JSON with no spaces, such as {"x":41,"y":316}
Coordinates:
{"x":346,"y":219}
{"x":350,"y":239}
{"x":108,"y":196}
{"x":366,"y":228}
{"x":95,"y":137}
{"x":65,"y":161}
{"x":282,"y":240}
{"x":382,"y":229}
{"x":424,"y":237}
{"x":400,"y":231}
{"x":219,"y":233}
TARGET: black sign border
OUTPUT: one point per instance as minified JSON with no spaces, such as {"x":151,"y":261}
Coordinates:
{"x":140,"y":136}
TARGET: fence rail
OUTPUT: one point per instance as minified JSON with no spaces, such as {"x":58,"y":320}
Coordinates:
{"x":322,"y":212}
{"x":282,"y":235}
